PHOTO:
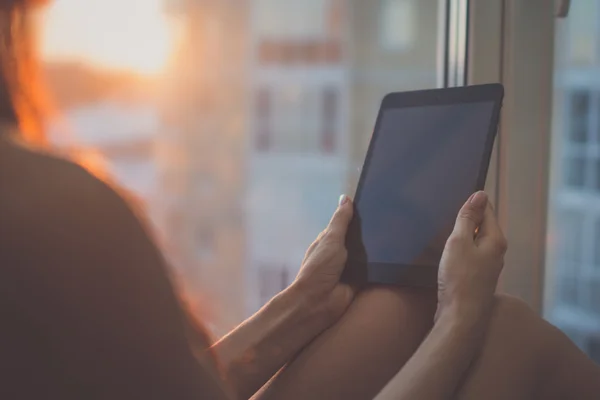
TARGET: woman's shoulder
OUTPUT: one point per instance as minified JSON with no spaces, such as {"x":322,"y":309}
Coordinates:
{"x":38,"y":168}
{"x":48,"y":193}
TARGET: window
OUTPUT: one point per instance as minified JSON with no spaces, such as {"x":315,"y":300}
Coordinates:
{"x":397,"y":24}
{"x":297,"y":20}
{"x":596,"y":245}
{"x":583,"y":42}
{"x":569,"y":290}
{"x":300,"y":80}
{"x":330,"y":110}
{"x":300,"y":33}
{"x":575,"y":173}
{"x":578,"y":164}
{"x":571,"y":236}
{"x":597,"y":167}
{"x":574,"y":261}
{"x":263,"y":116}
{"x":594,"y":290}
{"x":303,"y":120}
{"x":580,"y":113}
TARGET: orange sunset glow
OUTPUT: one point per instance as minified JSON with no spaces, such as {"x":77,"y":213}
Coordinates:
{"x":131,"y":35}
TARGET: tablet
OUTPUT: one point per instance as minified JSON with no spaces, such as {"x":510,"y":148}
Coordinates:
{"x":429,"y":152}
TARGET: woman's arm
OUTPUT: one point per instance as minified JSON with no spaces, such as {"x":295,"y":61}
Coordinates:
{"x":383,"y":328}
{"x":260,"y":346}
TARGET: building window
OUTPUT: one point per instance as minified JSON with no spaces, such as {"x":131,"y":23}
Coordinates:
{"x":571,"y":238}
{"x":597,"y":182}
{"x":397,"y":26}
{"x":299,"y":119}
{"x":594,"y":289}
{"x":569,"y":291}
{"x":330,"y":110}
{"x":575,"y":174}
{"x":579,"y":117}
{"x":298,"y":20}
{"x":570,"y":255}
{"x":597,"y":245}
{"x":263,"y":118}
{"x":299,"y":32}
{"x":271,"y":281}
{"x":303,"y":53}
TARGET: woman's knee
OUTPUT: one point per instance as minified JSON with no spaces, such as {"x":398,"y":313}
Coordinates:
{"x":511,"y":312}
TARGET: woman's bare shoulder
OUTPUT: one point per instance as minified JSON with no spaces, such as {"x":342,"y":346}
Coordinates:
{"x":21,"y":165}
{"x":50,"y":194}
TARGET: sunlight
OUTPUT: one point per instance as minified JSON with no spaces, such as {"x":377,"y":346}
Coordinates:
{"x":131,"y":35}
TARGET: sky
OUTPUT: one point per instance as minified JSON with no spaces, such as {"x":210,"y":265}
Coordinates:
{"x":130,"y":35}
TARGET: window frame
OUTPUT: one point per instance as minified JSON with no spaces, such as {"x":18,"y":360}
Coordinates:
{"x":512,"y":42}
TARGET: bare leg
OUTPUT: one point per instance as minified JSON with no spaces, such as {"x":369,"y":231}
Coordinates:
{"x":523,"y":356}
{"x":355,"y":358}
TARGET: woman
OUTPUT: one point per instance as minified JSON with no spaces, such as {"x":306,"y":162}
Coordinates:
{"x":88,"y":310}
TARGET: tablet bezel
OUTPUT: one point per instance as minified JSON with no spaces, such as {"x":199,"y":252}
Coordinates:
{"x":361,"y":271}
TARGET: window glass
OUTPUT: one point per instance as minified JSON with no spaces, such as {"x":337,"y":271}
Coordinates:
{"x":301,"y":20}
{"x":397,"y":24}
{"x":575,"y":171}
{"x":238,"y":126}
{"x":573,"y":261}
{"x":579,"y":117}
{"x":582,"y":36}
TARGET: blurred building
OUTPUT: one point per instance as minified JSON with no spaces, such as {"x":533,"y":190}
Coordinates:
{"x":573,"y":274}
{"x":202,"y":156}
{"x":282,"y":95}
{"x":122,"y":137}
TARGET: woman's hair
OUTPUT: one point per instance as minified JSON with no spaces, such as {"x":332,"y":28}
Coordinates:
{"x":23,"y":99}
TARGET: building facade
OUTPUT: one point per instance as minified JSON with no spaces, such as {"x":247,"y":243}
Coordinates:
{"x":202,"y":157}
{"x":573,"y":273}
{"x":303,"y":81}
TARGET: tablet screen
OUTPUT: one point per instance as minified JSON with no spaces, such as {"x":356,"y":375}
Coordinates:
{"x":424,"y":164}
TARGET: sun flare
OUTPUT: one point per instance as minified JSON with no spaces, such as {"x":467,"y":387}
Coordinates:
{"x":131,"y":35}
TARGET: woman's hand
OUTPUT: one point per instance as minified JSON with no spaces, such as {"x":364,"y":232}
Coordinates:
{"x":471,"y":262}
{"x":324,"y":262}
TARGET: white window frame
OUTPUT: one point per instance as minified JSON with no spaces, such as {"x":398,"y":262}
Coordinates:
{"x":512,"y":41}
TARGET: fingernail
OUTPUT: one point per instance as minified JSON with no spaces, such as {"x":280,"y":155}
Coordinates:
{"x":343,"y":200}
{"x":479,"y":199}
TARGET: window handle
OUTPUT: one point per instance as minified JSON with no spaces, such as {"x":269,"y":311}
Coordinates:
{"x":562,"y":8}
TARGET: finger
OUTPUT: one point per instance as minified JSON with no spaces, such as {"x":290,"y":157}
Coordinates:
{"x":489,"y":226}
{"x":471,"y":215}
{"x":338,"y":226}
{"x":490,"y":234}
{"x":314,"y":245}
